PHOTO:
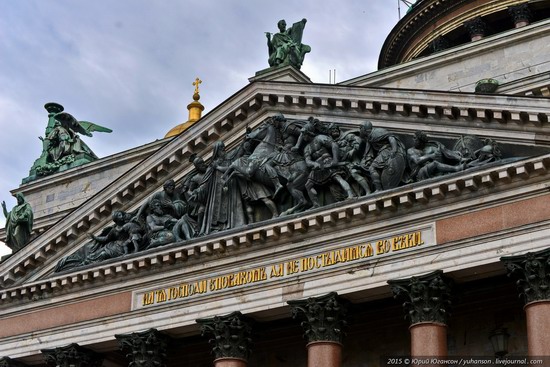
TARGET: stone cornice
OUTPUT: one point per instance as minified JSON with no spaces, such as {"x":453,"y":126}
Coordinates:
{"x":505,"y":118}
{"x":403,"y":200}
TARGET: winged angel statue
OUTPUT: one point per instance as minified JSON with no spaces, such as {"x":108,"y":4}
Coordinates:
{"x":62,"y":147}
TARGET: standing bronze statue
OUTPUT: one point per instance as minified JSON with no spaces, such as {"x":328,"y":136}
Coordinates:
{"x":224,"y":207}
{"x":384,"y":156}
{"x":286,"y":47}
{"x":19,"y":223}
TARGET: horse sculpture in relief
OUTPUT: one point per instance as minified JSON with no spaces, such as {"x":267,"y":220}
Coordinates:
{"x":267,"y":159}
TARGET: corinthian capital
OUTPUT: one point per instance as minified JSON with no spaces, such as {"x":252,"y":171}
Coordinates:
{"x":230,"y":335}
{"x":532,"y":271}
{"x":427,"y":297}
{"x":324,"y":317}
{"x":144,"y":349}
{"x":73,"y":355}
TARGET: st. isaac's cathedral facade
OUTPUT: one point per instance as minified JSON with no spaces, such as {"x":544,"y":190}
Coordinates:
{"x":397,"y":218}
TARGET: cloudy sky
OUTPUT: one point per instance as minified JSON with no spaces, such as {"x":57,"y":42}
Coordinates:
{"x":129,"y":64}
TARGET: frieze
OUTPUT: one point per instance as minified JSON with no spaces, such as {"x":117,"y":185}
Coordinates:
{"x":368,"y":250}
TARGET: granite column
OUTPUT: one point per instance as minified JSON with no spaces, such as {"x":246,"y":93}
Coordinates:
{"x":231,"y":338}
{"x":532,"y":271}
{"x":323,"y":323}
{"x":426,"y":303}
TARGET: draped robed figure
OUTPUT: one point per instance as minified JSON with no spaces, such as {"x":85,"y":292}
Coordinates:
{"x":224,"y":206}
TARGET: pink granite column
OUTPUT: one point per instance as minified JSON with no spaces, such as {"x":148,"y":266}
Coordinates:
{"x":426,"y":306}
{"x":428,"y":339}
{"x":520,"y":14}
{"x":533,"y":273}
{"x":230,"y":340}
{"x":230,"y":362}
{"x":538,"y":327}
{"x":327,"y":354}
{"x":477,"y":28}
{"x":323,"y":321}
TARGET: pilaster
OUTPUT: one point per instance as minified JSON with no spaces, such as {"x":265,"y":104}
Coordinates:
{"x":427,"y":303}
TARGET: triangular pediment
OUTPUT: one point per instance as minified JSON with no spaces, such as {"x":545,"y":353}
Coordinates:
{"x":518,"y":124}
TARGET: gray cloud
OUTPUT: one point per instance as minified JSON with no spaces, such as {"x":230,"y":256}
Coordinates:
{"x":129,"y":64}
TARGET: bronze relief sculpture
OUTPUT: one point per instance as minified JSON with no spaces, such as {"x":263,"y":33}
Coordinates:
{"x":283,"y":166}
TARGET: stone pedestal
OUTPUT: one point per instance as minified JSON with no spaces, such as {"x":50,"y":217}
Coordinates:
{"x":326,"y":354}
{"x":428,"y":339}
{"x":538,"y":328}
{"x":426,"y":303}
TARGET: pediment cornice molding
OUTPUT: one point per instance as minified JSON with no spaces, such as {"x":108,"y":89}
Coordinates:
{"x":519,"y":119}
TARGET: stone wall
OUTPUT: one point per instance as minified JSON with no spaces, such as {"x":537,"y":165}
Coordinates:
{"x":508,"y":57}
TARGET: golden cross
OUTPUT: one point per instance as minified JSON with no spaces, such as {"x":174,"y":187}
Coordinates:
{"x":196,"y":84}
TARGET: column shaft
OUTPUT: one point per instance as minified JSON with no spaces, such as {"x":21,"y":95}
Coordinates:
{"x":538,"y":325}
{"x":324,"y":354}
{"x":230,"y":362}
{"x":428,"y":339}
{"x":427,"y":304}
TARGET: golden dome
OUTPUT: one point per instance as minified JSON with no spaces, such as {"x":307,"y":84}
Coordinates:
{"x":195,"y":109}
